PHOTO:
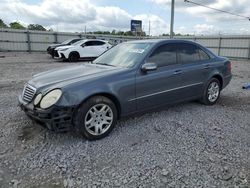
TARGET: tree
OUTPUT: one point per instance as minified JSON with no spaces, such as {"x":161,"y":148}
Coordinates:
{"x":113,"y":32}
{"x":16,"y":25}
{"x":128,"y":33}
{"x":119,"y":33}
{"x":2,"y":24}
{"x":106,"y":32}
{"x":36,"y":27}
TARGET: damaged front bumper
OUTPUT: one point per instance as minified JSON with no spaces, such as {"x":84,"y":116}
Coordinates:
{"x":55,"y":118}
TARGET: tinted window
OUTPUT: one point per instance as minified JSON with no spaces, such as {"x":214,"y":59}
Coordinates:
{"x":203,"y":55}
{"x":74,"y":40}
{"x":163,"y":55}
{"x":98,"y":43}
{"x":89,"y":43}
{"x":94,"y":43}
{"x":187,"y":53}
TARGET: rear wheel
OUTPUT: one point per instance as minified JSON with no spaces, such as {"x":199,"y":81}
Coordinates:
{"x":211,"y":92}
{"x":74,"y":57}
{"x":96,"y":118}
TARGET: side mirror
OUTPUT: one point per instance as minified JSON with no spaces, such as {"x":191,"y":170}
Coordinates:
{"x":83,"y":45}
{"x":148,"y":67}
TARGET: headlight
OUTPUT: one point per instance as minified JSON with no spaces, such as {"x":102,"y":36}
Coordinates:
{"x":38,"y":99}
{"x":50,"y":98}
{"x":64,"y":49}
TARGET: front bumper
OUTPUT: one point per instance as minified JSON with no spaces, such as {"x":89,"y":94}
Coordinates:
{"x":55,"y":118}
{"x":58,"y":55}
{"x":50,"y":51}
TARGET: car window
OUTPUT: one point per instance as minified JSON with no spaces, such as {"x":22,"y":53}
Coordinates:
{"x":98,"y":43}
{"x":66,"y":41}
{"x":89,"y":43}
{"x":203,"y":55}
{"x":163,"y":55}
{"x":74,"y":40}
{"x":187,"y":53}
{"x":94,"y":43}
{"x":125,"y":54}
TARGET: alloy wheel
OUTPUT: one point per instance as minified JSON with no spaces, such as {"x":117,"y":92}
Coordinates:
{"x":213,"y":91}
{"x":98,"y":119}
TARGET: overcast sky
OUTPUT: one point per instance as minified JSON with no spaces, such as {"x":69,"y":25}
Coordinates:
{"x":74,"y":15}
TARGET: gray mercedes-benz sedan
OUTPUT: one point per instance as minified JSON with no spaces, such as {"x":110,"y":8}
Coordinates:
{"x":131,"y":77}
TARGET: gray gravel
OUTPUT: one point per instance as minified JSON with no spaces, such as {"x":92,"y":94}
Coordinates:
{"x":187,"y":145}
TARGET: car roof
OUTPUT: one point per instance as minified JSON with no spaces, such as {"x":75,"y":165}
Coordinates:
{"x":161,"y":41}
{"x":86,"y":40}
{"x":95,"y":40}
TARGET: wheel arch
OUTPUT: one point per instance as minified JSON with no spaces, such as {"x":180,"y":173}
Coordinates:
{"x":220,"y":78}
{"x":74,"y":52}
{"x":110,"y":96}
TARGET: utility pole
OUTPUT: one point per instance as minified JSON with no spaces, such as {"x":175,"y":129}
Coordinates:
{"x":172,"y":20}
{"x":149,"y":28}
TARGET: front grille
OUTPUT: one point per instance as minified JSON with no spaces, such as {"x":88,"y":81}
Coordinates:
{"x":28,"y":93}
{"x":56,"y":53}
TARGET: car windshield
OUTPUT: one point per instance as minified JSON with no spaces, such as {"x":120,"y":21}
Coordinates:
{"x":78,"y":42}
{"x":124,"y":55}
{"x":67,"y":41}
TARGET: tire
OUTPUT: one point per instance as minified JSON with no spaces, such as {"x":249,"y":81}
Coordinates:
{"x":211,"y":93}
{"x":102,"y":122}
{"x":73,"y":57}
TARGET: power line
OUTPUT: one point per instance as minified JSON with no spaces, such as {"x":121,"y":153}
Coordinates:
{"x":224,"y":11}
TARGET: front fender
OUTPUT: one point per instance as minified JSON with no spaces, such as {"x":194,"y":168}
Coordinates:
{"x":77,"y":96}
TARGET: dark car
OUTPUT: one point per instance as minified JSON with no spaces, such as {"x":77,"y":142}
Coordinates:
{"x":131,"y":77}
{"x":52,"y":47}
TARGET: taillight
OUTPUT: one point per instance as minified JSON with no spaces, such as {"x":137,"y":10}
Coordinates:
{"x":229,"y":66}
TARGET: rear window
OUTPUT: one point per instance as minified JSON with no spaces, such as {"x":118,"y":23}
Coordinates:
{"x":187,"y":53}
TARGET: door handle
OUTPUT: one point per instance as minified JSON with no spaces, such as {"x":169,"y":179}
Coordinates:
{"x":207,"y":66}
{"x":177,"y":72}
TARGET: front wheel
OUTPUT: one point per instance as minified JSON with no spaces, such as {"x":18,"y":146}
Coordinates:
{"x":96,"y":118}
{"x":74,"y":57}
{"x":211,"y":92}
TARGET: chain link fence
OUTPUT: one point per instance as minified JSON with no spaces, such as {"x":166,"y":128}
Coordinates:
{"x":235,"y":46}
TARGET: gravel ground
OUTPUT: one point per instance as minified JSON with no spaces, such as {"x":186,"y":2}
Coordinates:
{"x":187,"y":145}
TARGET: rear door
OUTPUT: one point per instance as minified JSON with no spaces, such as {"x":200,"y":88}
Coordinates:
{"x":195,"y":68}
{"x":86,"y":49}
{"x":160,"y":86}
{"x":100,"y":47}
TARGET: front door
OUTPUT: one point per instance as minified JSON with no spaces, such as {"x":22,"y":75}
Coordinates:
{"x":86,"y":49}
{"x":161,"y":86}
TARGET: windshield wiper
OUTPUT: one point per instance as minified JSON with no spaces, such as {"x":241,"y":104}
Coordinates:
{"x":106,"y":64}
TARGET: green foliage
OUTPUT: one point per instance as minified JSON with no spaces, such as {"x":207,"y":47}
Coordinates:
{"x":119,"y":33}
{"x":36,"y":27}
{"x":2,"y":24}
{"x":16,"y":25}
{"x":113,"y":32}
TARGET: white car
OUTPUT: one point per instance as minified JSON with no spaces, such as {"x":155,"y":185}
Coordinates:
{"x":87,"y":49}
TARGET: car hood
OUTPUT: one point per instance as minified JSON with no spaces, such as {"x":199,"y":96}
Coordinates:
{"x":63,"y":47}
{"x":56,"y":45}
{"x":68,"y":75}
